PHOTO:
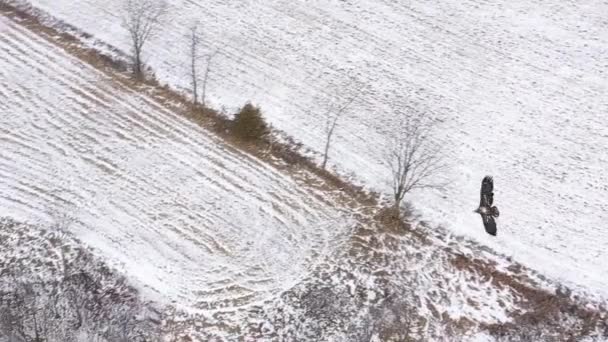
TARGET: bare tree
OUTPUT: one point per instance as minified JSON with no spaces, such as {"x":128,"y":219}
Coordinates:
{"x":414,"y":159}
{"x":195,"y":56}
{"x":142,"y":19}
{"x":206,"y":76}
{"x":331,"y":120}
{"x":349,"y":87}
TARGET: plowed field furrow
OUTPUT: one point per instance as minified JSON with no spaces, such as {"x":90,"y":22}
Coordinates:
{"x":518,"y":89}
{"x":187,"y":217}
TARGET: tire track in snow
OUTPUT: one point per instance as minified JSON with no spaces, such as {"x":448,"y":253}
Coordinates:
{"x":185,"y":216}
{"x":523,"y":68}
{"x":41,"y":54}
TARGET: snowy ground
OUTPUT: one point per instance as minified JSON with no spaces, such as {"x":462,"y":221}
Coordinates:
{"x":240,"y":248}
{"x":248,"y":252}
{"x":185,"y":216}
{"x":521,"y":87}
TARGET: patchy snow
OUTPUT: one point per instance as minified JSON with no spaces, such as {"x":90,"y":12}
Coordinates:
{"x":189,"y":219}
{"x":520,"y":86}
{"x":47,"y":271}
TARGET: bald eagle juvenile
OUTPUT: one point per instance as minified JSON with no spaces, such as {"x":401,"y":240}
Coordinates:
{"x":486,"y":210}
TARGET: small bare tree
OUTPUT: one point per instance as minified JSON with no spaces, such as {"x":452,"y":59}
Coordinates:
{"x":349,"y":87}
{"x":195,"y":56}
{"x":331,"y":121}
{"x":194,"y":43}
{"x":142,"y":18}
{"x":206,"y":77}
{"x":414,"y":159}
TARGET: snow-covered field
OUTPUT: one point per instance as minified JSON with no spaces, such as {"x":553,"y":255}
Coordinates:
{"x":520,"y":86}
{"x":245,"y":251}
{"x":189,"y":219}
{"x":226,"y":238}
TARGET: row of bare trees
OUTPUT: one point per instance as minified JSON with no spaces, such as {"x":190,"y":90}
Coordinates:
{"x":143,"y":19}
{"x":414,"y":161}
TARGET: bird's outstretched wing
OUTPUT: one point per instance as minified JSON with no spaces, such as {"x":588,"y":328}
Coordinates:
{"x":487,"y":192}
{"x":489,"y":224}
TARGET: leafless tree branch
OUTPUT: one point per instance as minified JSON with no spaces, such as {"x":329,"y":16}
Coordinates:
{"x":194,"y":43}
{"x":414,"y":159}
{"x":142,"y":18}
{"x":330,"y":126}
{"x":335,"y":110}
{"x":206,"y":76}
{"x":195,"y":56}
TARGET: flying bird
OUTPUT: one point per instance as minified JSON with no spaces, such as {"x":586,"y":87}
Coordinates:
{"x":486,"y":210}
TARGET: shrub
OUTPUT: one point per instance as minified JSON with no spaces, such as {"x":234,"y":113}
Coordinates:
{"x":249,"y":124}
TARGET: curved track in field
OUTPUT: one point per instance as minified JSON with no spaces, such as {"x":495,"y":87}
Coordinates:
{"x":520,"y":87}
{"x":242,"y":249}
{"x":184,"y":215}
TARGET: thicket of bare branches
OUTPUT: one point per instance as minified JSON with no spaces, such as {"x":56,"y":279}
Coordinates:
{"x":69,"y":297}
{"x":75,"y":308}
{"x":142,"y":19}
{"x":415,"y":159}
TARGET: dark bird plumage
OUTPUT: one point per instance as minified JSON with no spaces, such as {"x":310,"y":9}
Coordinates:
{"x":486,"y":210}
